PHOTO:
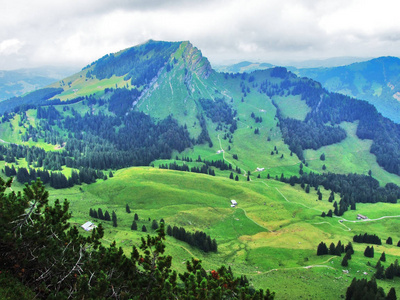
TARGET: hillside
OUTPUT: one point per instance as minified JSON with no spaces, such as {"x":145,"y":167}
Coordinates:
{"x":155,"y":127}
{"x":376,"y":81}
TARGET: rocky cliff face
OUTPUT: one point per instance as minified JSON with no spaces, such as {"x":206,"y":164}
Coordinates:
{"x":194,"y":60}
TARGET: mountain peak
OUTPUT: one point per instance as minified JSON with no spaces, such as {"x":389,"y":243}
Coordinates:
{"x":194,"y":60}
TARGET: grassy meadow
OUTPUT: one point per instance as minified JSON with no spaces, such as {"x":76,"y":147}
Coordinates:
{"x":271,"y":236}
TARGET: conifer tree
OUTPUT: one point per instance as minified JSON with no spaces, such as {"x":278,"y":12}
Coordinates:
{"x":154,"y":225}
{"x":389,"y":241}
{"x":136,"y":217}
{"x":169,"y":230}
{"x":332,"y":249}
{"x":383,"y":257}
{"x":349,"y":247}
{"x":322,"y":249}
{"x":134,"y":225}
{"x":345,"y":262}
{"x":379,"y":274}
{"x":127,"y":208}
{"x":107,"y":216}
{"x":392,"y":294}
{"x":114,"y":219}
{"x":144,"y":229}
{"x":338,"y":249}
{"x":100,"y":214}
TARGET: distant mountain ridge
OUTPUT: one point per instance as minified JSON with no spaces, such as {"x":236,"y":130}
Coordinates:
{"x":15,"y":83}
{"x":376,"y":80}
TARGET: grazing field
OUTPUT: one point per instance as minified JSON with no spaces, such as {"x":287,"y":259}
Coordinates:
{"x":271,"y":236}
{"x":350,"y":156}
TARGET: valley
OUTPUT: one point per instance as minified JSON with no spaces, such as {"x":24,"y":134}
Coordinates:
{"x":116,"y":133}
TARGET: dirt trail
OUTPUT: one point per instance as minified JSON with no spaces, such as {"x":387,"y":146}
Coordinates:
{"x":245,"y":213}
{"x":294,"y":268}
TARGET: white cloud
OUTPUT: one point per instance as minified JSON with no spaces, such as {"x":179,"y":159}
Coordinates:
{"x":78,"y":32}
{"x":10,"y":46}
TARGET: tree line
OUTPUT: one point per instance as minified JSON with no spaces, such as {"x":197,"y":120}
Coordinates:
{"x":98,"y":214}
{"x":56,"y":180}
{"x":367,"y":238}
{"x":197,"y":239}
{"x":352,"y":188}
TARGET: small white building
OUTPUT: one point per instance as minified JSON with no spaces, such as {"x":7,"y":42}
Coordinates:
{"x":88,"y":226}
{"x":233,"y":203}
{"x":361,"y":217}
{"x":260,"y":169}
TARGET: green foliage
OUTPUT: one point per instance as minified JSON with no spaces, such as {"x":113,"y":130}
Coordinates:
{"x":32,"y":99}
{"x":52,"y":258}
{"x":363,"y":289}
{"x":218,"y":110}
{"x":133,"y":62}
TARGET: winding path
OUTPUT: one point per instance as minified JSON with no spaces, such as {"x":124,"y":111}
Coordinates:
{"x":298,"y":203}
{"x":294,"y":268}
{"x":245,"y":213}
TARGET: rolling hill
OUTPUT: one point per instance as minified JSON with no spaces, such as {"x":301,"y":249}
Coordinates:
{"x":155,"y":127}
{"x":376,"y":81}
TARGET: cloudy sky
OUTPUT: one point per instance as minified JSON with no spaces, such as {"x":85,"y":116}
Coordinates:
{"x":75,"y":33}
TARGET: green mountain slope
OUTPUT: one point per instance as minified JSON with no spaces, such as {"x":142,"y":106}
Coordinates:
{"x":376,"y":81}
{"x":265,"y":119}
{"x":279,"y":144}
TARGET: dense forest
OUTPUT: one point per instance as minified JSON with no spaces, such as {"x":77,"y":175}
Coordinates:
{"x":135,"y":63}
{"x":30,"y":100}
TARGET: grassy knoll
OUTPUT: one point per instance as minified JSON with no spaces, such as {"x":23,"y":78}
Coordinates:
{"x":271,"y":236}
{"x":350,"y":156}
{"x":292,"y":107}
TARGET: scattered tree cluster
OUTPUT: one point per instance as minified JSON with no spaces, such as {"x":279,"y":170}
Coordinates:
{"x":364,"y":289}
{"x":218,"y":110}
{"x":369,"y":251}
{"x":337,"y":250}
{"x":353,"y":188}
{"x":256,"y":119}
{"x":197,"y":239}
{"x":393,"y":270}
{"x":367,"y":238}
{"x":98,"y":214}
{"x":40,"y":248}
